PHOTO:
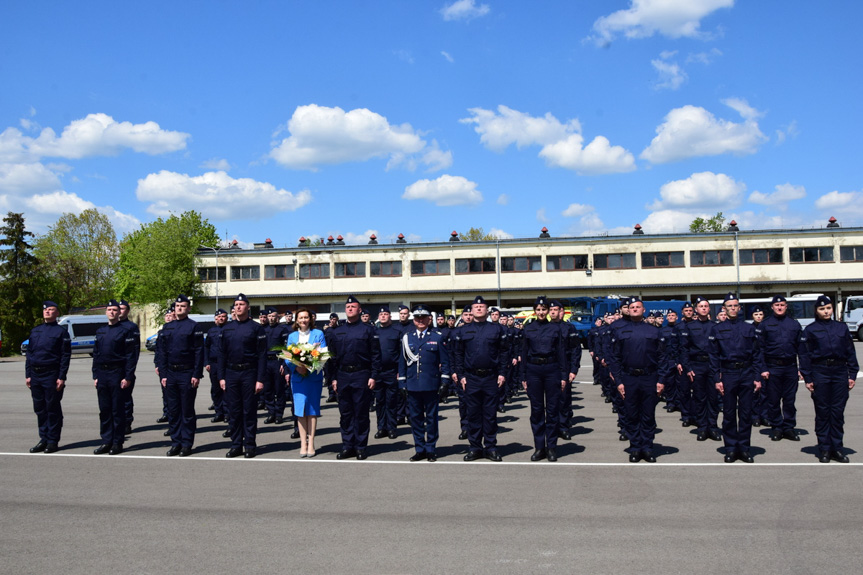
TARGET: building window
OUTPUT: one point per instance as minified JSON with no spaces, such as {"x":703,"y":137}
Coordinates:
{"x":711,"y":258}
{"x":662,"y":259}
{"x":475,"y":266}
{"x":851,"y":253}
{"x":351,"y":270}
{"x":210,"y":274}
{"x":614,"y":261}
{"x":762,"y":256}
{"x":527,"y":264}
{"x":314,"y":271}
{"x":565,"y":263}
{"x":810,"y":255}
{"x":386,"y":269}
{"x":430,"y":268}
{"x":242,"y":273}
{"x":282,"y":272}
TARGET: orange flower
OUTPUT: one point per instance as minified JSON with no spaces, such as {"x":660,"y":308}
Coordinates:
{"x":296,"y":351}
{"x":315,"y":353}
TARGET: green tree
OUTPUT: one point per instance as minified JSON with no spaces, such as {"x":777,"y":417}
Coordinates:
{"x":84,"y":253}
{"x":159,"y":260}
{"x":715,"y":224}
{"x":20,"y":285}
{"x":476,"y":235}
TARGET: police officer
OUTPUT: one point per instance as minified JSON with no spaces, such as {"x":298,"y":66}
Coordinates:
{"x":640,"y":368}
{"x":681,"y":399}
{"x":404,"y":324}
{"x":667,"y":330}
{"x":132,"y":328}
{"x":114,"y":360}
{"x":828,"y":364}
{"x":466,"y":318}
{"x":572,"y":351}
{"x":46,"y":364}
{"x":592,"y":334}
{"x":275,"y":383}
{"x":736,"y":365}
{"x":387,"y":387}
{"x":356,"y":357}
{"x":543,"y":374}
{"x":445,"y":332}
{"x":211,"y":359}
{"x":181,"y":367}
{"x":694,"y":356}
{"x":423,"y":369}
{"x":481,"y":357}
{"x":759,"y":400}
{"x":242,"y":369}
{"x":328,"y":375}
{"x":169,"y":317}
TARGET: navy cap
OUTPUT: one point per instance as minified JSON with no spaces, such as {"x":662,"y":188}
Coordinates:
{"x":48,"y":303}
{"x":334,"y":315}
{"x":822,"y":301}
{"x":351,"y":299}
{"x":364,"y":311}
{"x":555,"y":303}
{"x":449,"y":317}
{"x":729,"y":297}
{"x":241,"y":297}
{"x":686,"y":305}
{"x":384,"y":308}
{"x":171,"y":309}
{"x":777,"y":299}
{"x":757,"y":309}
{"x":404,"y":307}
{"x":181,"y":299}
{"x":624,"y":301}
{"x":634,"y":299}
{"x":124,"y":303}
{"x":113,"y":303}
{"x":467,"y":309}
{"x":263,"y":311}
{"x":271,"y":309}
{"x":479,"y":299}
{"x":420,"y":309}
{"x":699,"y":299}
{"x":540,"y":300}
{"x":220,"y":311}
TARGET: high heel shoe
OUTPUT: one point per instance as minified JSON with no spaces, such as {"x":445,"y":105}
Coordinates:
{"x":310,"y":454}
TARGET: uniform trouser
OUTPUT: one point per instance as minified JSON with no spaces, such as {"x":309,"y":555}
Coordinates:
{"x":275,"y":395}
{"x":462,"y":406}
{"x":164,"y":397}
{"x":781,"y":393}
{"x":46,"y":405}
{"x":543,"y":391}
{"x":401,"y":406}
{"x":216,"y":393}
{"x":564,"y":413}
{"x":241,"y":404}
{"x":597,"y":380}
{"x":481,"y":397}
{"x":355,"y":397}
{"x":737,"y":409}
{"x":670,"y":393}
{"x":623,"y":419}
{"x":386,"y":401}
{"x":705,"y":398}
{"x":640,"y":407}
{"x":128,"y":402}
{"x":422,"y":413}
{"x":830,"y":395}
{"x":181,"y":395}
{"x":112,"y":406}
{"x":684,"y":397}
{"x":501,"y":391}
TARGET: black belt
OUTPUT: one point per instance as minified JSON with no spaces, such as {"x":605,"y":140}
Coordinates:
{"x":353,"y":368}
{"x":639,"y":370}
{"x":44,"y":368}
{"x":481,"y":372}
{"x":180,"y":367}
{"x":780,"y":361}
{"x":239,"y":366}
{"x":736,"y":364}
{"x":829,"y":361}
{"x":117,"y":365}
{"x":540,"y":360}
{"x":701,"y":358}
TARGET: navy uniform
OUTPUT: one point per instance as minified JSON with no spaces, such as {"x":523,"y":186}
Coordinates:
{"x":736,"y":365}
{"x":640,"y":368}
{"x":759,"y":400}
{"x":328,"y":372}
{"x":114,"y":360}
{"x":828,"y":364}
{"x":211,"y":360}
{"x":572,"y":352}
{"x":459,"y":390}
{"x":423,"y":370}
{"x":181,"y":367}
{"x":46,"y":365}
{"x":169,"y":317}
{"x":386,"y":388}
{"x":356,"y":357}
{"x":242,"y":369}
{"x":135,"y":333}
{"x":481,"y":357}
{"x":694,"y":355}
{"x":681,"y":399}
{"x":401,"y":401}
{"x":592,"y":335}
{"x":780,"y":339}
{"x":543,"y":374}
{"x":670,"y":336}
{"x":275,"y":385}
{"x":445,"y":333}
{"x":618,"y":403}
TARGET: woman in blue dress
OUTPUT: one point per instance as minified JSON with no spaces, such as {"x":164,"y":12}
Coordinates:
{"x":306,"y":385}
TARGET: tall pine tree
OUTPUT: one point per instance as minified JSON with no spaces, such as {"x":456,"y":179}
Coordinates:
{"x":19,"y":283}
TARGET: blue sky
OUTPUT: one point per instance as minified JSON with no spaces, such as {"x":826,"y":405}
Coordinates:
{"x":287,"y":119}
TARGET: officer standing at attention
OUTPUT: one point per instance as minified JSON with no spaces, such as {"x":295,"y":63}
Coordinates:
{"x":211,"y":359}
{"x":780,"y":339}
{"x":466,"y":318}
{"x":328,"y":376}
{"x":828,"y":364}
{"x":114,"y":360}
{"x":759,"y":401}
{"x":181,"y":367}
{"x":387,"y":387}
{"x":45,"y":368}
{"x":640,"y":367}
{"x":423,"y":369}
{"x":242,"y":368}
{"x":572,"y":351}
{"x":736,"y":365}
{"x":682,"y":397}
{"x":132,"y":328}
{"x":694,"y":355}
{"x":404,"y":324}
{"x":668,"y":333}
{"x":543,"y":374}
{"x":275,"y":383}
{"x":356,"y":358}
{"x":169,"y":317}
{"x":481,"y":357}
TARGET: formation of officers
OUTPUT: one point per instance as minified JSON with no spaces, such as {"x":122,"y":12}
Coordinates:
{"x":698,"y":365}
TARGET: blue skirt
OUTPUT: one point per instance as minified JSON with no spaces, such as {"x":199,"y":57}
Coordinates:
{"x":307,"y":393}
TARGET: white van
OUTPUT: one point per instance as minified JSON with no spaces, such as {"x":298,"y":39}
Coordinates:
{"x":82,"y":329}
{"x":852,"y":315}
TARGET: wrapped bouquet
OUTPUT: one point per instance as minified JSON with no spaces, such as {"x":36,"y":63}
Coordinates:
{"x":309,"y":355}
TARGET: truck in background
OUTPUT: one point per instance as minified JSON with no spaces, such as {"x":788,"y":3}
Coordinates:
{"x":852,"y":315}
{"x":584,"y":311}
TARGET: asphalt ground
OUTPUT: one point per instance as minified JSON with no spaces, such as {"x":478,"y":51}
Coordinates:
{"x":590,"y":512}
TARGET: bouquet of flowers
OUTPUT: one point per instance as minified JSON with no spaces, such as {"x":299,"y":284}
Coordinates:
{"x":308,"y":355}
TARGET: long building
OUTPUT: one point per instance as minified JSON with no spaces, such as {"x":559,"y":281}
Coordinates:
{"x":512,"y":272}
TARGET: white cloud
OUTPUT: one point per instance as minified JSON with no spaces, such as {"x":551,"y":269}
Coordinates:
{"x":671,"y":75}
{"x":216,"y":164}
{"x":703,"y":191}
{"x":645,"y":18}
{"x":464,"y":10}
{"x":322,"y":135}
{"x":444,"y":191}
{"x":842,"y":205}
{"x":562,"y":143}
{"x":785,"y":132}
{"x":448,"y":57}
{"x":540,"y":216}
{"x":217,"y":195}
{"x":589,"y":221}
{"x":361,"y":238}
{"x":27,"y":179}
{"x":503,"y":199}
{"x":782,"y":194}
{"x":575,"y":210}
{"x":691,"y":131}
{"x":705,"y":58}
{"x":500,"y":234}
